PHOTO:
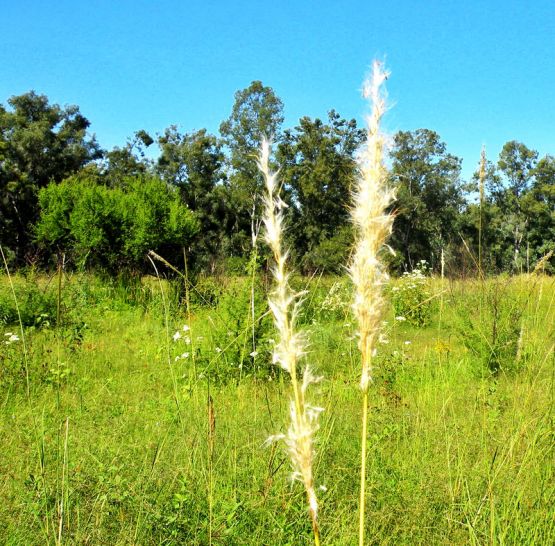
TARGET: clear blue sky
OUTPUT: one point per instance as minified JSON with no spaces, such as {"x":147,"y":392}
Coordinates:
{"x":476,"y":71}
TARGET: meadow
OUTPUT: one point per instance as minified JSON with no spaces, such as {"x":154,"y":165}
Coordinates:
{"x":135,"y":410}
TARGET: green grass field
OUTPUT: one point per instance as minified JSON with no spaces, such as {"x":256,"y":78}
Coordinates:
{"x":113,"y":432}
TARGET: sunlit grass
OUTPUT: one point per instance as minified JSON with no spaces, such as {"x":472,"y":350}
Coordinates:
{"x":455,"y":454}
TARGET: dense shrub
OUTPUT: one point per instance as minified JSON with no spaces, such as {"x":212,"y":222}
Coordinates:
{"x":113,"y":227}
{"x":331,"y":254}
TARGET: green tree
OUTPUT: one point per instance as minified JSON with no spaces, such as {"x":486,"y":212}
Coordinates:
{"x":194,"y":163}
{"x":121,"y":164}
{"x":486,"y":217}
{"x":538,"y":205}
{"x":517,"y":165}
{"x":317,"y":167}
{"x":39,"y":142}
{"x":429,"y":197}
{"x":257,"y":112}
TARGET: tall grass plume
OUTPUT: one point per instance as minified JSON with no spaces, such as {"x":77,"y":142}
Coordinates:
{"x":290,"y":347}
{"x":373,"y":225}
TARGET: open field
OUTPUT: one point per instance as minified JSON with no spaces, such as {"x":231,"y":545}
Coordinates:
{"x":115,"y":430}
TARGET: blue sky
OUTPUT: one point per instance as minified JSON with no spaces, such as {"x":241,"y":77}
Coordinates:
{"x":477,"y":72}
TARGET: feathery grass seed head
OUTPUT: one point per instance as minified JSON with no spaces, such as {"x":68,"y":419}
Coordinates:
{"x":291,"y":345}
{"x":373,"y":225}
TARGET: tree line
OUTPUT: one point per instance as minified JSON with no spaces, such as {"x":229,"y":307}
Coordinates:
{"x":61,"y":194}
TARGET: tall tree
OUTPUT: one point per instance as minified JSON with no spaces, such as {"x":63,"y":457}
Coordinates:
{"x":429,"y":196}
{"x":539,"y":207}
{"x":517,"y":164}
{"x":483,"y":221}
{"x":123,"y":164}
{"x":257,"y":112}
{"x":317,"y":167}
{"x":194,"y":163}
{"x":39,"y":142}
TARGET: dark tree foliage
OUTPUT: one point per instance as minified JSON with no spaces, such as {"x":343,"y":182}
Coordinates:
{"x":317,"y":167}
{"x":478,"y":230}
{"x":130,"y":161}
{"x":39,"y":143}
{"x":538,"y":206}
{"x":257,"y":112}
{"x":517,"y":213}
{"x":203,"y":193}
{"x":517,"y":163}
{"x":429,"y":198}
{"x":194,"y":163}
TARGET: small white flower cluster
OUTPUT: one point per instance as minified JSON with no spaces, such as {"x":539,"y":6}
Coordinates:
{"x":185,"y":337}
{"x":412,"y":297}
{"x":420,"y":270}
{"x":12,"y":338}
{"x":414,"y":278}
{"x":182,"y":356}
{"x":337,"y":299}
